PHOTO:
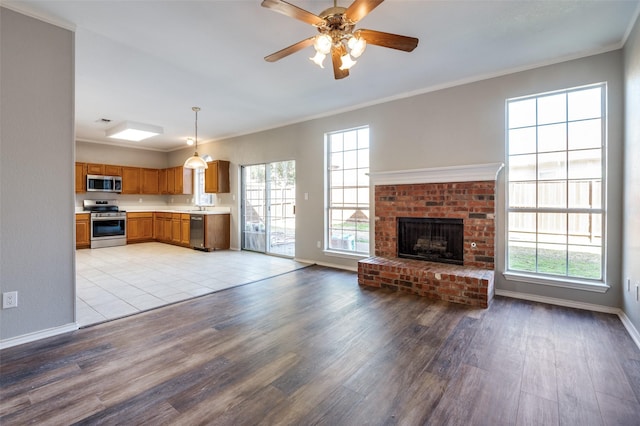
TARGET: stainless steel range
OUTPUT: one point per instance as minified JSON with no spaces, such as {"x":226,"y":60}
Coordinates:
{"x":108,"y":223}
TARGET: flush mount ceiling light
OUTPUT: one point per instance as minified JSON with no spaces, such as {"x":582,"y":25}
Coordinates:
{"x":196,"y":162}
{"x":338,"y":36}
{"x":131,"y":131}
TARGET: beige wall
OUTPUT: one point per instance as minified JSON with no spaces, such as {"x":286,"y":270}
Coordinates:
{"x":457,"y":126}
{"x":631,"y":243}
{"x":36,"y":174}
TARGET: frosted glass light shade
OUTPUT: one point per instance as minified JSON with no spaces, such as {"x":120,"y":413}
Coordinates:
{"x":195,"y":162}
{"x":323,"y":44}
{"x":318,"y":59}
{"x":347,"y":62}
{"x":357,"y":46}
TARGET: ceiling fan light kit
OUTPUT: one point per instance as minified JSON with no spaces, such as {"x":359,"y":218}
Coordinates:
{"x":337,"y":35}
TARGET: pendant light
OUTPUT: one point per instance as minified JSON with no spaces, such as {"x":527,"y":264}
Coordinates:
{"x":195,"y":162}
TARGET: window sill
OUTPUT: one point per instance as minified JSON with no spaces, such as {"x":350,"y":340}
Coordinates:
{"x":345,"y":255}
{"x":557,"y":282}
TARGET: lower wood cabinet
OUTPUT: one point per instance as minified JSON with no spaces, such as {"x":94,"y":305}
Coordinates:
{"x":218,"y":231}
{"x":172,"y":228}
{"x":185,"y":229}
{"x":83,"y":232}
{"x":139,"y":227}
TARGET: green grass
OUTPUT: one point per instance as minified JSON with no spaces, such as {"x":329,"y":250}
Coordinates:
{"x":554,"y":262}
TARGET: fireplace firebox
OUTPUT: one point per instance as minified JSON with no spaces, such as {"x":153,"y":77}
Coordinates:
{"x":431,"y":239}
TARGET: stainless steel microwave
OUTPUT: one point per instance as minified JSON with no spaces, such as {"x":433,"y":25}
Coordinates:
{"x":104,"y":183}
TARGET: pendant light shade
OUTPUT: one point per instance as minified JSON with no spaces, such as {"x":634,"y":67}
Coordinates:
{"x":195,"y":162}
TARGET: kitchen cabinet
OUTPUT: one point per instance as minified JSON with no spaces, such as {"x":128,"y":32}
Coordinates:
{"x":130,"y":180}
{"x":158,"y":227}
{"x":185,"y":229}
{"x":216,"y":177}
{"x":171,"y":180}
{"x":81,"y":177}
{"x":162,"y":226}
{"x":111,"y":170}
{"x":149,"y":181}
{"x":95,"y":169}
{"x":217,"y":231}
{"x":176,"y":227}
{"x":83,"y":232}
{"x":162,"y":181}
{"x":183,"y":180}
{"x":179,"y":180}
{"x":139,"y":227}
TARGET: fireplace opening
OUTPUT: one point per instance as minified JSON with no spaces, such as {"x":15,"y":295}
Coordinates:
{"x":431,"y":239}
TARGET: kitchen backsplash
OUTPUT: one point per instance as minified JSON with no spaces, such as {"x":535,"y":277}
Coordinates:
{"x":143,"y":202}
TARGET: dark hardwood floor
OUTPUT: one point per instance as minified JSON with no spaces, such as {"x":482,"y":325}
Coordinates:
{"x":311,"y":347}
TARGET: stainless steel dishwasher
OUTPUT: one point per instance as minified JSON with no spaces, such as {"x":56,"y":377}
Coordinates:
{"x":196,"y":231}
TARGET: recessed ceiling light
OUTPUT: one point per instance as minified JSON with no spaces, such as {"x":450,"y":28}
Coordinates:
{"x":131,"y":131}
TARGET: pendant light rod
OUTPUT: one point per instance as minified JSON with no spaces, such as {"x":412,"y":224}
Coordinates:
{"x":196,"y":109}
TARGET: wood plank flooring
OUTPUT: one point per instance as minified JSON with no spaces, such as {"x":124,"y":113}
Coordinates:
{"x":311,"y":347}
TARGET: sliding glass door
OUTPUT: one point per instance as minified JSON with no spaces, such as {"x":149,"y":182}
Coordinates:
{"x":268,"y":208}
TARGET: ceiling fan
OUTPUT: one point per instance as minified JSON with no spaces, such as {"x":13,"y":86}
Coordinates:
{"x":338,"y":35}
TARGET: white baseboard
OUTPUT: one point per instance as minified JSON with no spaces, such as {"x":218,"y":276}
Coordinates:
{"x":628,"y":325}
{"x":631,"y":329}
{"x":43,"y":334}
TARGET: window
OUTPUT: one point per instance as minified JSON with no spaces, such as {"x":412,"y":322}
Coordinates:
{"x":347,"y":217}
{"x":201,"y":197}
{"x":556,"y":184}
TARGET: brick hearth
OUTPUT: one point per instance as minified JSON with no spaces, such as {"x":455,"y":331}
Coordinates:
{"x":472,"y":201}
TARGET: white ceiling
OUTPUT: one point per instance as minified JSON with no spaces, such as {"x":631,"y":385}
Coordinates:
{"x":150,"y":61}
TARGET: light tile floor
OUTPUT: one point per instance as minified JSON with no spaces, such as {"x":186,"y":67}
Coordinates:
{"x":114,"y":282}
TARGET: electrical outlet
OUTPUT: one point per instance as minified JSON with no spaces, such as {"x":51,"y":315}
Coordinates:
{"x":318,"y":244}
{"x":10,"y":300}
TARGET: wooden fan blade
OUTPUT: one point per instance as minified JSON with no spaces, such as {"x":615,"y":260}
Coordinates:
{"x":292,"y":11}
{"x":336,"y":53}
{"x":360,"y":8}
{"x":289,"y":50}
{"x":393,"y":41}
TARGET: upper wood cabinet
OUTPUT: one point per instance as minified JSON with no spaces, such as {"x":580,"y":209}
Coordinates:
{"x":179,"y":180}
{"x":184,"y":180}
{"x":149,"y":181}
{"x":216,"y":177}
{"x":130,"y":180}
{"x":95,"y":169}
{"x":111,"y":170}
{"x":162,"y":181}
{"x":81,"y":177}
{"x":137,"y":180}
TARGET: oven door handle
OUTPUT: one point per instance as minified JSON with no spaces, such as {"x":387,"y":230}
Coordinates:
{"x":104,"y":219}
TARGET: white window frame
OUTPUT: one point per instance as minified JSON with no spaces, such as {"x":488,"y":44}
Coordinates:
{"x":565,"y":281}
{"x":345,"y":252}
{"x":202,"y":198}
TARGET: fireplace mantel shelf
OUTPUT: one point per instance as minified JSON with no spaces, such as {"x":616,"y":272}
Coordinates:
{"x":468,"y":173}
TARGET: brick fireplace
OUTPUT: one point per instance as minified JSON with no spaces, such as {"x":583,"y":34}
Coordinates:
{"x":466,"y":193}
